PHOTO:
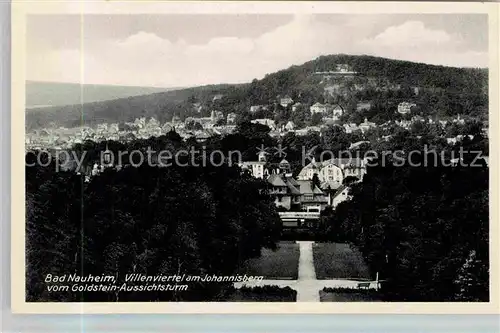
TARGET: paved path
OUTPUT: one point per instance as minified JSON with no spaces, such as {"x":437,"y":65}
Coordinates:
{"x":306,"y":261}
{"x":307,"y":286}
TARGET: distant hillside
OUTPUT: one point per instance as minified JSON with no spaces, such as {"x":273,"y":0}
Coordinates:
{"x":461,"y":90}
{"x":43,"y":94}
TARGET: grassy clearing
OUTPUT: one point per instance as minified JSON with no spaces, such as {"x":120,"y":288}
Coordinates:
{"x":339,"y":261}
{"x":349,"y":295}
{"x":282,"y":264}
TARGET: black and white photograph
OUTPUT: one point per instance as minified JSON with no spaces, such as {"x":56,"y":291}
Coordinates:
{"x":257,"y":157}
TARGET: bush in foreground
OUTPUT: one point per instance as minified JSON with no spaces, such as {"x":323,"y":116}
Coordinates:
{"x":259,"y":294}
{"x":349,"y":295}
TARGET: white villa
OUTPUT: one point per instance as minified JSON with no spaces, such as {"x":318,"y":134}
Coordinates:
{"x":318,"y":108}
{"x":265,"y":121}
{"x":366,"y":125}
{"x":256,"y":168}
{"x":405,"y":107}
{"x":331,"y":173}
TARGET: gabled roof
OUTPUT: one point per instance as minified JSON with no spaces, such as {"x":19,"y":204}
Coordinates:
{"x":276,"y":180}
{"x":340,"y":190}
{"x":291,"y":184}
{"x":358,"y":144}
{"x":307,"y":187}
{"x":304,"y":186}
{"x":252,"y":163}
{"x":317,"y":190}
{"x":333,"y":185}
{"x":312,"y":165}
{"x":292,"y":181}
{"x":344,"y":161}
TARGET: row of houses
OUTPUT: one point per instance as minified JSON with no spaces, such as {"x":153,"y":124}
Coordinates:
{"x":336,"y":111}
{"x":289,"y":126}
{"x":406,"y":107}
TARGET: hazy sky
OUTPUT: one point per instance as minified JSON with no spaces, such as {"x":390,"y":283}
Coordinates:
{"x":187,"y":50}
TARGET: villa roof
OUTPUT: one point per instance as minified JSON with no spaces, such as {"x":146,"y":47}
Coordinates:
{"x":307,"y":187}
{"x":317,"y":190}
{"x":357,"y":144}
{"x":333,"y":185}
{"x":292,"y":181}
{"x":355,"y":161}
{"x":340,"y":190}
{"x":245,"y":163}
{"x":291,"y":184}
{"x":344,"y":161}
{"x":276,"y":180}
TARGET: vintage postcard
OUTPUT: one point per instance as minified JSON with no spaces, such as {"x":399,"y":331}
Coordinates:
{"x":254,"y":157}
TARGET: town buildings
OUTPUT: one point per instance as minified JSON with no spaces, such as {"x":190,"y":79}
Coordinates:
{"x":366,"y":125}
{"x":363,"y":106}
{"x":256,"y":168}
{"x":337,"y":111}
{"x":341,"y":70}
{"x":231,"y":118}
{"x":296,"y":195}
{"x":296,"y":106}
{"x":341,"y":195}
{"x":217,"y":97}
{"x":265,"y":121}
{"x":290,"y":126}
{"x":285,"y":101}
{"x":350,"y":127}
{"x":256,"y":108}
{"x":318,"y":108}
{"x":405,"y":107}
{"x":332,"y":173}
{"x":307,"y":130}
{"x":287,"y":192}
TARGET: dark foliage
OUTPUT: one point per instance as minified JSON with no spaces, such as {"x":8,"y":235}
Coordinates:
{"x":150,"y":220}
{"x":424,"y":229}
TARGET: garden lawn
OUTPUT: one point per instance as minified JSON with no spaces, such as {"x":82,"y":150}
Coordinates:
{"x":339,"y":261}
{"x":282,"y":264}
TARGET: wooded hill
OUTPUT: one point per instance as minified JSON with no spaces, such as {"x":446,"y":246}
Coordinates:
{"x":456,"y":90}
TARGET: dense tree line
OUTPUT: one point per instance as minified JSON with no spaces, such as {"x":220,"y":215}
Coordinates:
{"x":424,"y":229}
{"x":150,"y":220}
